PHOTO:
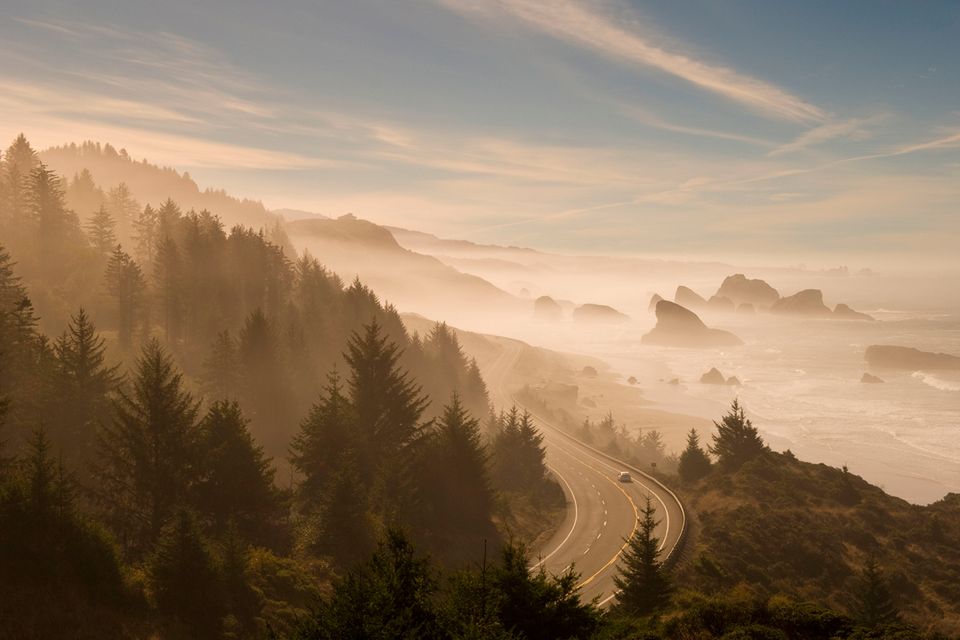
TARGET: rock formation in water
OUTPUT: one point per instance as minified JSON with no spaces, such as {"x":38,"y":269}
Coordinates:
{"x":598,"y":313}
{"x":808,"y":303}
{"x":687,"y":297}
{"x":680,"y":327}
{"x":870,"y":379}
{"x":843,"y":312}
{"x":895,"y":357}
{"x":720,"y":304}
{"x":588,"y":372}
{"x":713,"y":377}
{"x":546,"y":308}
{"x":740,"y":289}
{"x":733,"y":381}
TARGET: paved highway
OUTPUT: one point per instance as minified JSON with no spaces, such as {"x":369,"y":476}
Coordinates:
{"x":602,"y":512}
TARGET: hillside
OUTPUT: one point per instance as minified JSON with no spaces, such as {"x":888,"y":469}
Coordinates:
{"x":151,"y":184}
{"x":353,"y":247}
{"x":782,"y":526}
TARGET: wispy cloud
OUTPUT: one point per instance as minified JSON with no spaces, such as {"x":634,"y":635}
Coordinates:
{"x":652,"y":120}
{"x":852,"y":128}
{"x":572,"y":21}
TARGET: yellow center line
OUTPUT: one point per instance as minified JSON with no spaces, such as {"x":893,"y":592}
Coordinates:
{"x":636,"y":522}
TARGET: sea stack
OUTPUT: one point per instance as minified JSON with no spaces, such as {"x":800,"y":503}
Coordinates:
{"x":680,"y":327}
{"x":742,"y":290}
{"x":546,"y":308}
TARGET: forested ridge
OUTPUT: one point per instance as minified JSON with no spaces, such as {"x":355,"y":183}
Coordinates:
{"x":203,"y":435}
{"x":201,"y":432}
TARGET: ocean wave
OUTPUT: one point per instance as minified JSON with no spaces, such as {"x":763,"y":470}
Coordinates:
{"x":935,"y":382}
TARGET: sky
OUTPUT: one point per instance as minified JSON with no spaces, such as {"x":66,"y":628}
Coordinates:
{"x":809,"y":131}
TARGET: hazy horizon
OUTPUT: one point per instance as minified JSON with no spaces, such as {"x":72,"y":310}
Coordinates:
{"x":779,"y":134}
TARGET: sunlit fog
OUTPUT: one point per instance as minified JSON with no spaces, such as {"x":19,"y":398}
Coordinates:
{"x":506,"y":319}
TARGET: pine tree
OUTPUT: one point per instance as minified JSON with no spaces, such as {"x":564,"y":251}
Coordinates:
{"x":532,"y":462}
{"x":185,"y":578}
{"x":149,"y":451}
{"x":124,"y":210}
{"x":100,"y":231}
{"x":236,"y":477}
{"x":388,"y":597}
{"x":643,"y":583}
{"x":387,"y":405}
{"x":126,"y":284}
{"x":874,"y":605}
{"x":145,"y":234}
{"x":736,"y":440}
{"x":694,"y":462}
{"x":82,"y":382}
{"x":221,"y":370}
{"x":168,"y":278}
{"x":327,"y":436}
{"x":454,"y":509}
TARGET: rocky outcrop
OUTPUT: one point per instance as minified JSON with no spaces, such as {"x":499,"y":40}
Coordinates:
{"x":747,"y":309}
{"x":894,"y":357}
{"x":870,"y":379}
{"x":654,"y":299}
{"x":546,"y":308}
{"x":740,"y":289}
{"x":680,"y":327}
{"x":600,"y":313}
{"x":720,"y":304}
{"x":733,"y":381}
{"x":713,"y":377}
{"x":588,"y":372}
{"x":808,"y":302}
{"x":687,"y":297}
{"x":843,"y":312}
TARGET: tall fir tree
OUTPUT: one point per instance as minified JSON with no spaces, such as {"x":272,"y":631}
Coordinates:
{"x":126,"y":285}
{"x":235,"y":485}
{"x":101,"y":232}
{"x":644,"y":585}
{"x":149,"y":451}
{"x":736,"y":440}
{"x":873,"y":604}
{"x":221,"y":370}
{"x":694,"y":463}
{"x":123,"y":209}
{"x":82,"y":383}
{"x":185,"y":579}
{"x":388,"y":406}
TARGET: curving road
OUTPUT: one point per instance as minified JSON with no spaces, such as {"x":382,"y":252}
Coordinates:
{"x":602,"y":512}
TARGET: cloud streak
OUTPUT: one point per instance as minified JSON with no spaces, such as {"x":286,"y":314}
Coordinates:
{"x":571,"y":21}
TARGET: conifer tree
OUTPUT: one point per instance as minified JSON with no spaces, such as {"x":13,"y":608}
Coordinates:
{"x":874,"y":605}
{"x":235,"y":476}
{"x":126,"y":285}
{"x":388,"y":406}
{"x":100,"y":231}
{"x":149,"y":451}
{"x":169,"y":282}
{"x":124,"y":210}
{"x":694,"y":462}
{"x":387,"y":597}
{"x":82,"y":382}
{"x":221,"y":369}
{"x":327,"y":436}
{"x":145,"y":234}
{"x":185,"y":578}
{"x":455,"y":504}
{"x":643,"y":583}
{"x":736,"y":440}
{"x":533,"y":466}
